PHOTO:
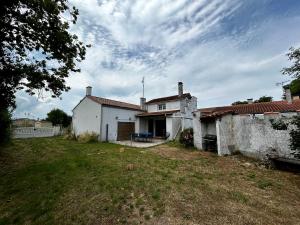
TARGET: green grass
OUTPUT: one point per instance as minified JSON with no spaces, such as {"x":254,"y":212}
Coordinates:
{"x":56,"y":181}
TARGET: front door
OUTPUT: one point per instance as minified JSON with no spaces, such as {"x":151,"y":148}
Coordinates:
{"x":160,"y":128}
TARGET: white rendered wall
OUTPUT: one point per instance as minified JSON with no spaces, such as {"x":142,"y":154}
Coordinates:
{"x":197,"y":128}
{"x":175,"y":105}
{"x":169,"y":127}
{"x":86,"y":117}
{"x":112,"y":116}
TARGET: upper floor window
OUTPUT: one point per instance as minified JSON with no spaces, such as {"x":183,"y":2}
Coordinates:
{"x":162,"y":106}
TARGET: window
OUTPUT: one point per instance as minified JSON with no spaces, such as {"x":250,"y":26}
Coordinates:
{"x":162,"y":106}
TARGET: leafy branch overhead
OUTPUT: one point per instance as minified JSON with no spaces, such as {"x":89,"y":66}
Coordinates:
{"x":294,"y":69}
{"x":37,"y":50}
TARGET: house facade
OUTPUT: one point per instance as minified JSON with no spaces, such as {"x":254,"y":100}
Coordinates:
{"x":114,"y":120}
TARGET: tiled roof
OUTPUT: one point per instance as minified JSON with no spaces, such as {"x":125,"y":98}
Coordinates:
{"x":113,"y":103}
{"x":169,"y":98}
{"x":160,"y":113}
{"x":254,"y":108}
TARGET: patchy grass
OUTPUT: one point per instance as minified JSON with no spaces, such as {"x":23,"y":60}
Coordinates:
{"x":57,"y":181}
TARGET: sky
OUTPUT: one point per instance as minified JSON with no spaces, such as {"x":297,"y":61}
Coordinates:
{"x":222,"y":50}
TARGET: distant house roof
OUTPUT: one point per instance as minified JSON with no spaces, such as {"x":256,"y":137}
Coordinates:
{"x":169,"y":98}
{"x":160,"y":113}
{"x":254,"y":108}
{"x":113,"y":103}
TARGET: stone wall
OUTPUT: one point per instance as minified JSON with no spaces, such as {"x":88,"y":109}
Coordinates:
{"x":251,"y":136}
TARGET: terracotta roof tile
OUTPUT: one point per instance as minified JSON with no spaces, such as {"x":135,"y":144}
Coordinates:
{"x":113,"y":103}
{"x":255,"y":108}
{"x":169,"y":98}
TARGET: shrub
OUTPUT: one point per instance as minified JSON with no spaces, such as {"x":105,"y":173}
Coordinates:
{"x":88,"y":137}
{"x":295,"y":137}
{"x":278,"y":124}
{"x":5,"y":126}
{"x":187,"y":138}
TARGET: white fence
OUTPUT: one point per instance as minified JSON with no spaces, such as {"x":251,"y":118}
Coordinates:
{"x":31,"y":132}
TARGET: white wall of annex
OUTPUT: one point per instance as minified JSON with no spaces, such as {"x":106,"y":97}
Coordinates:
{"x":86,"y":117}
{"x":112,"y":116}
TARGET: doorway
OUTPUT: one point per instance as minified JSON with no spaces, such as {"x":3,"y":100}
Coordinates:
{"x":160,"y":128}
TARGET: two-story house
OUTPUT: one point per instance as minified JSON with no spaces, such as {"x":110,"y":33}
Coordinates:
{"x":114,"y":120}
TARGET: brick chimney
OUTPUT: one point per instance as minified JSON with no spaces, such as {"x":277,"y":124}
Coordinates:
{"x":288,"y":94}
{"x":250,"y":100}
{"x":180,"y":88}
{"x":88,"y":91}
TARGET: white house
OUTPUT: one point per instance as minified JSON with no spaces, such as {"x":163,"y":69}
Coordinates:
{"x":114,"y":120}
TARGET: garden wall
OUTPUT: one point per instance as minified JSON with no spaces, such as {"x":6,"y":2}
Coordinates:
{"x":31,"y":132}
{"x":251,"y":136}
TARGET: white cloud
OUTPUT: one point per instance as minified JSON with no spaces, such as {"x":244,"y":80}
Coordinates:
{"x":167,"y":41}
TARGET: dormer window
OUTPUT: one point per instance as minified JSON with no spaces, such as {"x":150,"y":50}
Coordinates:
{"x":162,"y":106}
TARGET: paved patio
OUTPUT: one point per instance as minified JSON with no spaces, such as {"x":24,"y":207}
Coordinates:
{"x":141,"y":144}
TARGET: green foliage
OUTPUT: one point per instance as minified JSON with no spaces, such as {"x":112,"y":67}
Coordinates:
{"x":5,"y":125}
{"x":37,"y":52}
{"x":239,"y":103}
{"x":263,"y":184}
{"x":261,"y":99}
{"x":294,"y":69}
{"x":264,"y":99}
{"x":59,"y":117}
{"x":295,"y":87}
{"x":278,"y":124}
{"x":295,"y":137}
{"x":187,"y":137}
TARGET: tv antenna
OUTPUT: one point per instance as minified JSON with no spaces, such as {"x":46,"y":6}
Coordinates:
{"x":143,"y":82}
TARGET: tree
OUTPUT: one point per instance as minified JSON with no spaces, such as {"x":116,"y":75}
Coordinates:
{"x":294,"y":57}
{"x":59,"y":117}
{"x":295,"y":87}
{"x":5,"y":123}
{"x":37,"y":52}
{"x":239,"y":103}
{"x":295,"y":137}
{"x":264,"y":99}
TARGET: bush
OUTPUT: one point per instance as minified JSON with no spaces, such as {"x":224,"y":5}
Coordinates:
{"x":187,"y":137}
{"x":278,"y":124}
{"x":295,"y":137}
{"x":88,"y":137}
{"x":5,"y":126}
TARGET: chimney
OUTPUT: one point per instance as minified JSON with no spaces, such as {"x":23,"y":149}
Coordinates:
{"x":143,"y":103}
{"x":250,"y":100}
{"x":88,"y":91}
{"x":180,"y":88}
{"x":288,"y":94}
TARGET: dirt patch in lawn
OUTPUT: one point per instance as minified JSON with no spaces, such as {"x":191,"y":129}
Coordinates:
{"x":179,"y":153}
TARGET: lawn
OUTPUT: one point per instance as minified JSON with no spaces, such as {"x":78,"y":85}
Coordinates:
{"x":56,"y":181}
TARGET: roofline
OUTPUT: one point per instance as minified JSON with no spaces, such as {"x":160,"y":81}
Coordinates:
{"x":107,"y":105}
{"x":79,"y":102}
{"x":158,"y":113}
{"x":121,"y":107}
{"x":159,"y":100}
